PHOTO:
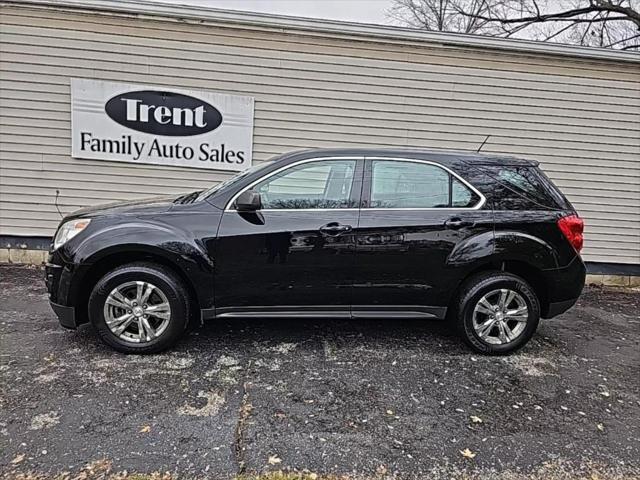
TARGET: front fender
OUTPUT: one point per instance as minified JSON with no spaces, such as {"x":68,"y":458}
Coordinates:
{"x":141,"y":236}
{"x":148,"y":239}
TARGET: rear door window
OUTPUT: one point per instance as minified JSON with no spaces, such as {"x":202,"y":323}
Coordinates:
{"x":407,"y":184}
{"x":461,"y":195}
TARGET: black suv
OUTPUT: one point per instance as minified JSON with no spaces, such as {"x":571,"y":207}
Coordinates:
{"x":487,"y":242}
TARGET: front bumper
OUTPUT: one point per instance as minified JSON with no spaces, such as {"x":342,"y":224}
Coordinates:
{"x":58,"y":280}
{"x":66,"y":315}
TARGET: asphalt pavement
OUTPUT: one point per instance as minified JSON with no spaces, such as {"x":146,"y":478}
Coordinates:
{"x":359,"y":399}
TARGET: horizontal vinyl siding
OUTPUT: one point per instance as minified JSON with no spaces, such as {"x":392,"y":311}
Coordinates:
{"x":579,"y":118}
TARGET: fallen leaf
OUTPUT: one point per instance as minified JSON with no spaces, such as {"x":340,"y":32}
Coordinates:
{"x":475,"y":419}
{"x":18,"y":459}
{"x":145,"y":429}
{"x":466,"y":453}
{"x":381,"y":470}
{"x":274,"y":460}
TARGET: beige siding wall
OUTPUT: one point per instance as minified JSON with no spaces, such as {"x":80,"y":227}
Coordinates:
{"x":580,"y":118}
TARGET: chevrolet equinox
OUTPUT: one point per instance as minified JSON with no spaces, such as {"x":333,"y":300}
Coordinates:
{"x":486,"y":242}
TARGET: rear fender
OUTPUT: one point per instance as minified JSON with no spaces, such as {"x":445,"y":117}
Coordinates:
{"x":507,"y":249}
{"x":490,"y":247}
{"x":512,"y":245}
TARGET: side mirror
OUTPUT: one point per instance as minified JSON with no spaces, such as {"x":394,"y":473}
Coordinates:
{"x":248,"y":201}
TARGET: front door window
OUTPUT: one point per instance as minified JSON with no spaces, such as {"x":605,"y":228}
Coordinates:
{"x":323,"y":184}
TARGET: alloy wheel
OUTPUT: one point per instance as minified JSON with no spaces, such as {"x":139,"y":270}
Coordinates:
{"x":500,"y":316}
{"x":137,"y":311}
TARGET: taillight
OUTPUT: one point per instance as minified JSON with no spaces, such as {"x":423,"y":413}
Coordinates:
{"x":572,"y":228}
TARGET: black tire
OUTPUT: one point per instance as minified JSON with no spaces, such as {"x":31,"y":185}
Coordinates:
{"x":162,"y":278}
{"x":473,"y":290}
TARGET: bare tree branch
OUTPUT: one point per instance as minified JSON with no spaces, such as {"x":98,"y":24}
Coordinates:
{"x":622,"y":41}
{"x":610,"y":6}
{"x":602,"y":23}
{"x":568,"y":14}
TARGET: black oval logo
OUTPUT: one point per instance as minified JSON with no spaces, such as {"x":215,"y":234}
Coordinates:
{"x":163,"y":113}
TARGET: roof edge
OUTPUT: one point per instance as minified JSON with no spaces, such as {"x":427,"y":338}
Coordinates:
{"x":369,"y":32}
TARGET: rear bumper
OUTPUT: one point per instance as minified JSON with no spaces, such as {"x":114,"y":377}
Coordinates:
{"x":66,"y":315}
{"x":556,"y":308}
{"x":564,"y":286}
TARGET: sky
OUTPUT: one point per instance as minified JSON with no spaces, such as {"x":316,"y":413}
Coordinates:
{"x":366,"y":11}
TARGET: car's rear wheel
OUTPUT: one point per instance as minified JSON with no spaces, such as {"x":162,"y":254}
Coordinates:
{"x":497,"y":312}
{"x":139,"y":308}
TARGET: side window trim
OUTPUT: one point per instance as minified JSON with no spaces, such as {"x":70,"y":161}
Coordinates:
{"x":366,"y":195}
{"x":355,"y":185}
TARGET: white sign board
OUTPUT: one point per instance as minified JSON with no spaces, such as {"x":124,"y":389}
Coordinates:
{"x":159,"y":125}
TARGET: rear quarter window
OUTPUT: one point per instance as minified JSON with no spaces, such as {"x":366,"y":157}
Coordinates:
{"x":525,"y":187}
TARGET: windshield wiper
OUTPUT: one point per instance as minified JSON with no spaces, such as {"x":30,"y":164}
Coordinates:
{"x":189,"y":197}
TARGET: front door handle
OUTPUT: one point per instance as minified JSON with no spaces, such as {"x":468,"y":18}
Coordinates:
{"x":334,"y":229}
{"x":456,"y":222}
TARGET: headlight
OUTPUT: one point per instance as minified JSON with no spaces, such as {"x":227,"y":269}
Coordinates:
{"x":68,"y":230}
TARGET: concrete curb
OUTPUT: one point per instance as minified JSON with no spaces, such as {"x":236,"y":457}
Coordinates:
{"x":23,"y":256}
{"x":614,"y":280}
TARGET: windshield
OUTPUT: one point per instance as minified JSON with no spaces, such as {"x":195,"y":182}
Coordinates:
{"x":230,"y":181}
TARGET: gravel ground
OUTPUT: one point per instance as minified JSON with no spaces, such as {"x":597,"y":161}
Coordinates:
{"x":361,"y":399}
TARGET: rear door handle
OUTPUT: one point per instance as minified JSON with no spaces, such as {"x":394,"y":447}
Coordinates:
{"x":334,"y":229}
{"x":456,"y":222}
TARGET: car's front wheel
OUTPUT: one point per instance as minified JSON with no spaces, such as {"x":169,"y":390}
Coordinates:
{"x":139,"y":308}
{"x":497,"y":312}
